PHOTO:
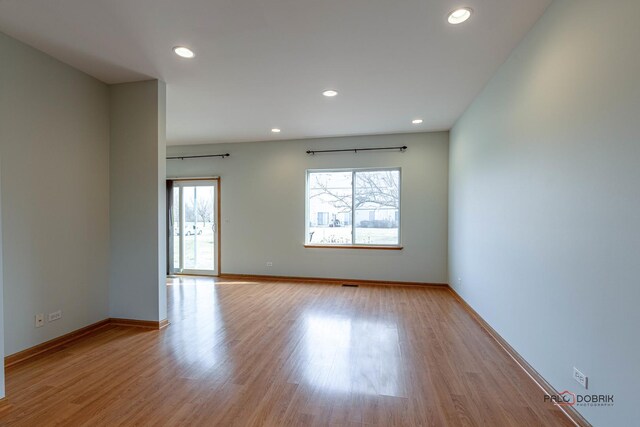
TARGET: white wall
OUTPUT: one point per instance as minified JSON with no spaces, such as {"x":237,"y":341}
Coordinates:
{"x":2,"y":393}
{"x":263,"y":206}
{"x":54,"y":139}
{"x":545,"y":204}
{"x":137,"y":162}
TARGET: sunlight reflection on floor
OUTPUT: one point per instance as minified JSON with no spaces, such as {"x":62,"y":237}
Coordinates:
{"x":346,"y":355}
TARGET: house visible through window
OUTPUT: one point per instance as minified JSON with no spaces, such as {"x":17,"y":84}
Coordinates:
{"x":353,"y":207}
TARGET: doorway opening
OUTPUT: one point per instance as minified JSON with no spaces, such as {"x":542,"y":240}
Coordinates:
{"x":193,"y":218}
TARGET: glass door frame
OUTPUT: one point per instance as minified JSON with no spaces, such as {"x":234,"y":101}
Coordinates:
{"x":185,"y":182}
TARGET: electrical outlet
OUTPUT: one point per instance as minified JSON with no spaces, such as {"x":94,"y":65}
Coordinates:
{"x":57,"y":315}
{"x":39,"y":320}
{"x":580,"y":377}
{"x":269,"y":264}
{"x":459,"y":281}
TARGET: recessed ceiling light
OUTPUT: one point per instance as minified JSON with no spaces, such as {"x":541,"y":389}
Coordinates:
{"x":330,"y":93}
{"x":416,"y":121}
{"x":184,"y":52}
{"x":460,"y":15}
{"x":275,"y":130}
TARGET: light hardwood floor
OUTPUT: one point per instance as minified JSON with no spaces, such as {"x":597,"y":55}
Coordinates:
{"x":284,"y":354}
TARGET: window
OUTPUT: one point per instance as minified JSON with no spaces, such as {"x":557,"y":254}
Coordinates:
{"x":356,"y":207}
{"x":323,"y":218}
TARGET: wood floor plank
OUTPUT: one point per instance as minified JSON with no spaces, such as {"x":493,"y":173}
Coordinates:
{"x":269,"y":353}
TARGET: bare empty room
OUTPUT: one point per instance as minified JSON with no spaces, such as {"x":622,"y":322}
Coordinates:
{"x":319,"y":213}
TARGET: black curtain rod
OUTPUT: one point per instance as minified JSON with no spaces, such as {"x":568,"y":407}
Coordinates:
{"x":355,"y":150}
{"x":198,"y":157}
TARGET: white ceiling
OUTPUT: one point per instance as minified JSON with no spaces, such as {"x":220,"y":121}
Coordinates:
{"x":264,"y":63}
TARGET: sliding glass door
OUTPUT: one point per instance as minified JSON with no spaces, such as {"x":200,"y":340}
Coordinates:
{"x":195,"y":229}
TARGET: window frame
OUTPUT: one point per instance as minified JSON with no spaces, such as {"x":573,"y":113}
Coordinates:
{"x":353,"y":244}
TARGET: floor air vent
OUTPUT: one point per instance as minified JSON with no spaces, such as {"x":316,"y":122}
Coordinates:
{"x":350,"y":285}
